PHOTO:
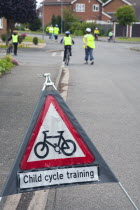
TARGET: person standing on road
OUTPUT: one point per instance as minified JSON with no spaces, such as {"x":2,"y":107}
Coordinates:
{"x":68,"y":41}
{"x":89,"y":45}
{"x":47,"y":30}
{"x":56,"y":32}
{"x":51,"y":32}
{"x":14,"y":39}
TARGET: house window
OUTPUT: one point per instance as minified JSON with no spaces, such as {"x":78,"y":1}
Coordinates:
{"x":1,"y":25}
{"x":80,"y":7}
{"x":95,"y":7}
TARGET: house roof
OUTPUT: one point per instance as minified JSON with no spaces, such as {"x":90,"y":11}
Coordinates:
{"x":134,"y":3}
{"x":54,"y":2}
{"x":125,"y":1}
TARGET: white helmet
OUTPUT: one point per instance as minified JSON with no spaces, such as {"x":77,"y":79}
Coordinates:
{"x":88,"y":29}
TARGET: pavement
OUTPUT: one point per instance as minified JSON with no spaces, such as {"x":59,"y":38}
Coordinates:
{"x":19,"y":91}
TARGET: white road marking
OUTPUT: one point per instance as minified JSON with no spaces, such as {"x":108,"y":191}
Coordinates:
{"x":54,"y":54}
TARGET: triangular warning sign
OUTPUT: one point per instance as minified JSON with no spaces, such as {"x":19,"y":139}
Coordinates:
{"x":54,"y":140}
{"x":55,"y":145}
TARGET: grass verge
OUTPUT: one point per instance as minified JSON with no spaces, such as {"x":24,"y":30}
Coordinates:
{"x":128,"y":39}
{"x":6,"y":63}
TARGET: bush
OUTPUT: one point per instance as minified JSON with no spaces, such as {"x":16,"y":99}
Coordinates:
{"x":35,"y":40}
{"x":23,"y":36}
{"x":20,"y":39}
{"x":3,"y":37}
{"x":78,"y":33}
{"x":6,"y":64}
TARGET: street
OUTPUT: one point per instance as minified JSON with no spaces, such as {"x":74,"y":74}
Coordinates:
{"x":104,"y":98}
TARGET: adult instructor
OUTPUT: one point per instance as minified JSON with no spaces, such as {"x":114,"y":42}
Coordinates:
{"x":14,"y":39}
{"x":89,"y":45}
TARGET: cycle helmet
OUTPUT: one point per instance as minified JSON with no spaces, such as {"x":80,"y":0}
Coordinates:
{"x":56,"y":25}
{"x":67,"y":32}
{"x":88,"y":29}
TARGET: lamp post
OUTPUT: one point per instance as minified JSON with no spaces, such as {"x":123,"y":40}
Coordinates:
{"x":61,"y":16}
{"x":42,"y":14}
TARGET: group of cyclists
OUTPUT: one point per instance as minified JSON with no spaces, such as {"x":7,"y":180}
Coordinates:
{"x":88,"y":39}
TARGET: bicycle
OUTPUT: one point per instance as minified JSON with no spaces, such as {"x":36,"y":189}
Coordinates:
{"x":67,"y":59}
{"x":9,"y":49}
{"x":67,"y":147}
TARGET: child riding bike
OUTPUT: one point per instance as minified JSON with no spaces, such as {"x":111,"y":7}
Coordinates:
{"x":68,"y":41}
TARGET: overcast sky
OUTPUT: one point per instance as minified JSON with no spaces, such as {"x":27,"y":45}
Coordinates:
{"x":38,"y":2}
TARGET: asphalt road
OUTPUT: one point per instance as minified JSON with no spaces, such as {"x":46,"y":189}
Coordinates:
{"x":104,"y":98}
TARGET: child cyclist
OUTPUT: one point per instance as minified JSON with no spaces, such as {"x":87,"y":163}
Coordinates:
{"x":68,"y":41}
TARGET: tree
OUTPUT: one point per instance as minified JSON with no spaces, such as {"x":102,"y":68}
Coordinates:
{"x":53,"y":21}
{"x":69,"y":18}
{"x":35,"y":25}
{"x":18,"y":11}
{"x":125,"y":15}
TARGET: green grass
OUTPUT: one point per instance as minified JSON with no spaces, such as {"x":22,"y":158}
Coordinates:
{"x":30,"y":39}
{"x":32,"y":32}
{"x":128,"y":39}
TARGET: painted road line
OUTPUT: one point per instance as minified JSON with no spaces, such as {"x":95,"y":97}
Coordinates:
{"x":54,"y":54}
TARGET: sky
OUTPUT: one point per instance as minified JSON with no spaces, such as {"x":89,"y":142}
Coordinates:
{"x":38,"y":2}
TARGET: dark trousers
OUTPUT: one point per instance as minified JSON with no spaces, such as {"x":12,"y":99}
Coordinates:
{"x":15,"y":48}
{"x":65,"y":50}
{"x":55,"y":36}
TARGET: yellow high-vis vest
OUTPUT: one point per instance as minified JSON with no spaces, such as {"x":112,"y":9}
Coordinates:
{"x":67,"y":40}
{"x":14,"y":38}
{"x":90,"y":40}
{"x":51,"y":30}
{"x":56,"y":30}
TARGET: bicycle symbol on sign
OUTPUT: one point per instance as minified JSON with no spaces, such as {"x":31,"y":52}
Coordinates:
{"x":65,"y":146}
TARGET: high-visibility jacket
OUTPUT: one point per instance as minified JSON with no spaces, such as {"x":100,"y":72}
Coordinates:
{"x":56,"y":30}
{"x":14,"y":38}
{"x":110,"y":33}
{"x":47,"y":28}
{"x":96,"y":31}
{"x":90,"y":41}
{"x":67,"y":40}
{"x":50,"y":30}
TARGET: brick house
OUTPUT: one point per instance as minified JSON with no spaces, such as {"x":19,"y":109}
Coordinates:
{"x":109,"y":9}
{"x":2,"y":26}
{"x":111,"y":6}
{"x":85,"y":10}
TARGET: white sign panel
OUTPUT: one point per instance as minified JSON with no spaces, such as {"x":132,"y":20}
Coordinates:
{"x":53,"y":123}
{"x":58,"y":177}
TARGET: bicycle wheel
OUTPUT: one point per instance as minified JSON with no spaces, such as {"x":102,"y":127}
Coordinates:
{"x":67,"y":59}
{"x":68,"y":147}
{"x":8,"y":51}
{"x":41,"y":150}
